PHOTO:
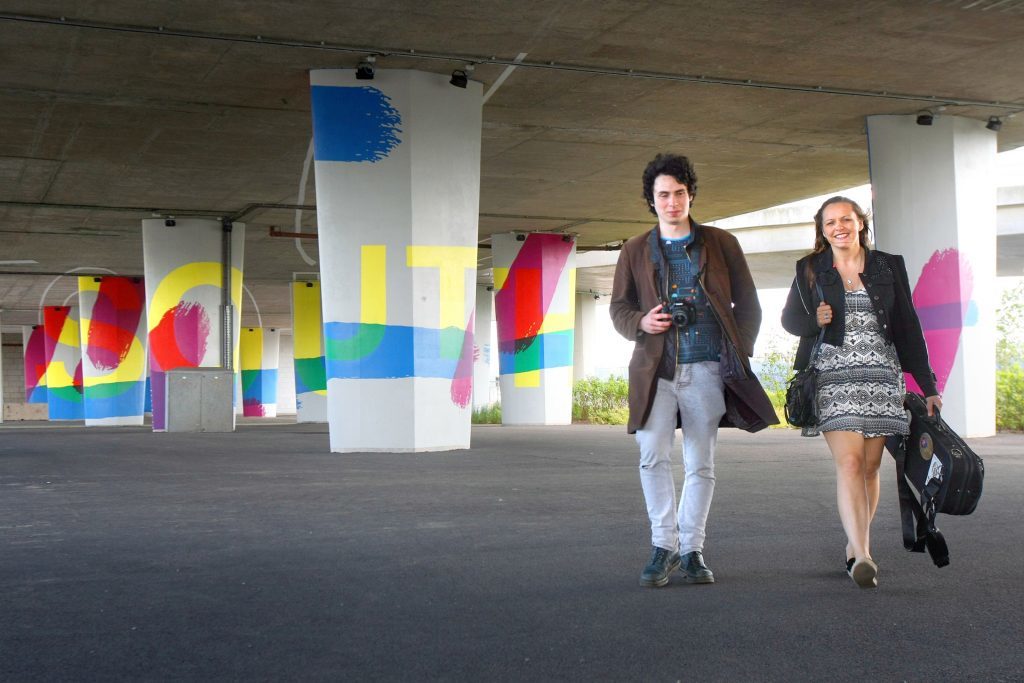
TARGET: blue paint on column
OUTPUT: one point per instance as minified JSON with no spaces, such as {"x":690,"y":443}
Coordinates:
{"x":353,"y":124}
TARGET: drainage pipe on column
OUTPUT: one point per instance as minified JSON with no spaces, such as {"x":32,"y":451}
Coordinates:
{"x":227,"y":358}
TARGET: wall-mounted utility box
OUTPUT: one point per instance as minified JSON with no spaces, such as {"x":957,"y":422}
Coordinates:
{"x":200,"y":400}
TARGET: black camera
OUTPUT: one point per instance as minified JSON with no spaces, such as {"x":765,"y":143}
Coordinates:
{"x":683,"y":312}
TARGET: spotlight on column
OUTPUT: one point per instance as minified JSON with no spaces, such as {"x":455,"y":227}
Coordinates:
{"x":925,"y":118}
{"x":365,"y":70}
{"x":994,"y":123}
{"x":520,"y":237}
{"x":460,"y":77}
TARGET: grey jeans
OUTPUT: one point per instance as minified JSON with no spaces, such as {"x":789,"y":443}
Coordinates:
{"x":699,"y":395}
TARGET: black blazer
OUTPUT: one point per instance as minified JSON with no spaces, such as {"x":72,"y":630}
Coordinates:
{"x":885,"y":279}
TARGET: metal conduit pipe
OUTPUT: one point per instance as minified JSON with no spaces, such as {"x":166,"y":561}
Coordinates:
{"x":227,"y":347}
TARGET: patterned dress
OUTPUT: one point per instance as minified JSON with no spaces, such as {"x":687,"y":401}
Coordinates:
{"x":860,"y":384}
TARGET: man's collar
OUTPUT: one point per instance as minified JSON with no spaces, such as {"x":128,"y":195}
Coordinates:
{"x":696,"y":232}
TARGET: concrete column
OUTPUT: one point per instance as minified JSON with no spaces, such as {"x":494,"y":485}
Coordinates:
{"x":286,"y":376}
{"x":113,"y":339}
{"x":64,"y":370}
{"x":184,"y":285}
{"x":310,"y":367}
{"x":583,"y":342}
{"x":534,"y":300}
{"x":397,"y":187}
{"x":482,"y":349}
{"x":259,"y":351}
{"x":935,"y":203}
{"x":33,"y":339}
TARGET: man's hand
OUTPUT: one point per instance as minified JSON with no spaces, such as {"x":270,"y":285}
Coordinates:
{"x":655,"y":322}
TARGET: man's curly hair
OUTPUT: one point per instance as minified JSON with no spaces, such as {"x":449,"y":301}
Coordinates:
{"x":675,"y":165}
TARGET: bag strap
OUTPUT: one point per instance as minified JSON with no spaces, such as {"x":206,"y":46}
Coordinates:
{"x":821,"y":332}
{"x":923,"y":534}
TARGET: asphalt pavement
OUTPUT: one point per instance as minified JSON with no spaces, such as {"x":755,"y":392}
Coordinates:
{"x":260,"y":556}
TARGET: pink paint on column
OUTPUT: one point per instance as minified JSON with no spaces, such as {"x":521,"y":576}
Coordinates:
{"x":942,"y":297}
{"x":462,"y":383}
{"x":253,"y":407}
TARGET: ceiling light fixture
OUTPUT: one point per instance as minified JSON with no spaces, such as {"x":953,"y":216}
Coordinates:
{"x":365,"y":70}
{"x":994,"y":123}
{"x":925,"y":118}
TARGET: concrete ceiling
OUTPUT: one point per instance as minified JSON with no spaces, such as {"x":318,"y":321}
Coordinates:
{"x":113,"y":110}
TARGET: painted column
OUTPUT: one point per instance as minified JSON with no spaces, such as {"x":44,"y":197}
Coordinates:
{"x":33,"y":340}
{"x":310,"y":367}
{"x":113,"y":340}
{"x":260,"y":354}
{"x":585,"y":329}
{"x":935,"y":203}
{"x":64,"y":370}
{"x":482,"y":349}
{"x":184,"y":282}
{"x":398,"y":233}
{"x":534,"y":300}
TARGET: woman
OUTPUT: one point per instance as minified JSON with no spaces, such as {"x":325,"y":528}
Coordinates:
{"x":861,"y":297}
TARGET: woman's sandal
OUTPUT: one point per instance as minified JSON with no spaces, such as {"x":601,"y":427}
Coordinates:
{"x":864,"y":573}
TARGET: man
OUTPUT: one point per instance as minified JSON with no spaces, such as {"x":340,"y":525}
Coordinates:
{"x":684,"y":294}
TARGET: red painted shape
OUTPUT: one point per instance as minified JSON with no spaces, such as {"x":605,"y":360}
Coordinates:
{"x":113,"y":321}
{"x":53,"y":322}
{"x":108,"y":344}
{"x":124,"y":293}
{"x":76,"y":382}
{"x":529,"y":306}
{"x":187,"y":322}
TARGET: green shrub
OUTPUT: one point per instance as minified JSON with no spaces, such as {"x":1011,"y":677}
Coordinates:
{"x":775,"y":367}
{"x":1010,"y":360}
{"x":491,"y":415}
{"x":1010,"y":329}
{"x":1010,"y":399}
{"x":601,"y":401}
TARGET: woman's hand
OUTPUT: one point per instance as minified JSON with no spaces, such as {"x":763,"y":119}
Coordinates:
{"x":824,"y":314}
{"x":655,"y":322}
{"x":933,"y":403}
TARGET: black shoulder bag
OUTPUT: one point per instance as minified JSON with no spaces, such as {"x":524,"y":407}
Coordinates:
{"x":801,"y":395}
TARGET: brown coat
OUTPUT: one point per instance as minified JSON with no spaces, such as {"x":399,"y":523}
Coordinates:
{"x":730,"y":290}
